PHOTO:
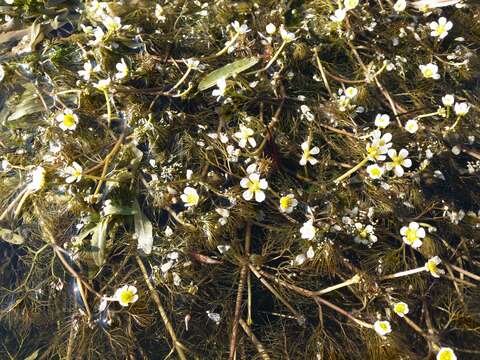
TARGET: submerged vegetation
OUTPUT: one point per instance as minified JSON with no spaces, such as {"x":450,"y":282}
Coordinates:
{"x":239,"y":179}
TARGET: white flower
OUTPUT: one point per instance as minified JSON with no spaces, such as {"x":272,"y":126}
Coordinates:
{"x":382,"y":121}
{"x":379,"y":145}
{"x":432,"y":267}
{"x":400,"y":5}
{"x":9,"y":2}
{"x":271,"y":29}
{"x":103,"y":84}
{"x":244,"y":136}
{"x":351,"y":92}
{"x":413,"y":234}
{"x":38,"y":179}
{"x":221,"y":86}
{"x":398,"y":161}
{"x":350,"y":4}
{"x":375,"y":171}
{"x":193,"y":64}
{"x":307,"y":230}
{"x":88,"y":68}
{"x":365,"y":234}
{"x":99,"y":35}
{"x":254,"y":186}
{"x":122,"y":69}
{"x":190,"y":196}
{"x":112,"y":23}
{"x":126,"y":295}
{"x":446,"y":353}
{"x":286,"y":36}
{"x":287,"y":203}
{"x":430,"y":71}
{"x":461,"y":109}
{"x":242,"y":30}
{"x":74,"y":173}
{"x":400,"y":308}
{"x":67,"y":120}
{"x":307,"y":154}
{"x":440,"y":29}
{"x":411,"y":126}
{"x":2,"y":73}
{"x":448,"y":100}
{"x":338,"y":15}
{"x":382,"y":327}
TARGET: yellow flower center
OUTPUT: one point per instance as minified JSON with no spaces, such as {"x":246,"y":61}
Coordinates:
{"x":432,"y":267}
{"x":192,"y":199}
{"x":445,"y":355}
{"x":254,"y":185}
{"x":372,"y":151}
{"x":383,"y":326}
{"x":441,"y":29}
{"x":68,"y":120}
{"x":127,"y":296}
{"x":285,"y":202}
{"x":376,"y":172}
{"x":400,"y":308}
{"x":411,"y":235}
{"x":77,"y":173}
{"x":427,"y":72}
{"x":397,"y":161}
{"x":363,"y":233}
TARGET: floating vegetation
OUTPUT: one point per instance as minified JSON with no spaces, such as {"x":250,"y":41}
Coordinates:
{"x":239,"y":179}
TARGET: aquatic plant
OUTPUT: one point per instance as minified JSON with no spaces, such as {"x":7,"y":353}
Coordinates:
{"x":239,"y":179}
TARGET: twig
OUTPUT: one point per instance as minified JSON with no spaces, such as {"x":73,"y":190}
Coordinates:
{"x":260,"y":348}
{"x":179,"y":347}
{"x":238,"y":303}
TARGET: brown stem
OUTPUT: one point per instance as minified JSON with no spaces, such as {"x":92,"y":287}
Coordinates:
{"x":179,"y":347}
{"x":260,"y":348}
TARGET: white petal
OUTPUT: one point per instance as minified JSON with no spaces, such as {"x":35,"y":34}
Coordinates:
{"x":247,"y":195}
{"x":398,"y":171}
{"x":263,"y":184}
{"x":259,"y":196}
{"x":314,"y":151}
{"x":244,"y":183}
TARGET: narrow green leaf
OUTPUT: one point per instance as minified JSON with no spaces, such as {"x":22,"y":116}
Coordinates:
{"x":143,"y":231}
{"x":226,"y":71}
{"x":99,"y":241}
{"x":113,"y":209}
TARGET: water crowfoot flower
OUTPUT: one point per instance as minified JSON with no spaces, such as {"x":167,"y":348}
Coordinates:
{"x":339,"y":15}
{"x":122,"y":69}
{"x":440,"y":29}
{"x":400,"y":308}
{"x":461,"y":109}
{"x":351,"y":92}
{"x":411,"y":126}
{"x":74,"y":173}
{"x":126,"y":295}
{"x":307,"y":230}
{"x":67,"y":120}
{"x":398,"y":161}
{"x":350,"y":4}
{"x":432,"y":267}
{"x":307,"y":154}
{"x":190,"y":197}
{"x":219,"y":92}
{"x":448,"y":100}
{"x":413,"y":234}
{"x":244,"y":136}
{"x":430,"y":71}
{"x":382,"y":327}
{"x":382,"y":121}
{"x":288,"y":203}
{"x":255,"y":186}
{"x":375,"y":171}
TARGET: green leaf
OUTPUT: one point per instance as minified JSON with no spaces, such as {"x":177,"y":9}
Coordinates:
{"x":113,"y":209}
{"x":99,"y":241}
{"x":11,"y":237}
{"x":143,"y":230}
{"x":226,"y":71}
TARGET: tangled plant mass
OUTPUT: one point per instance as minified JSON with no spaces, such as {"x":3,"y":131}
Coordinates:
{"x":239,"y":179}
